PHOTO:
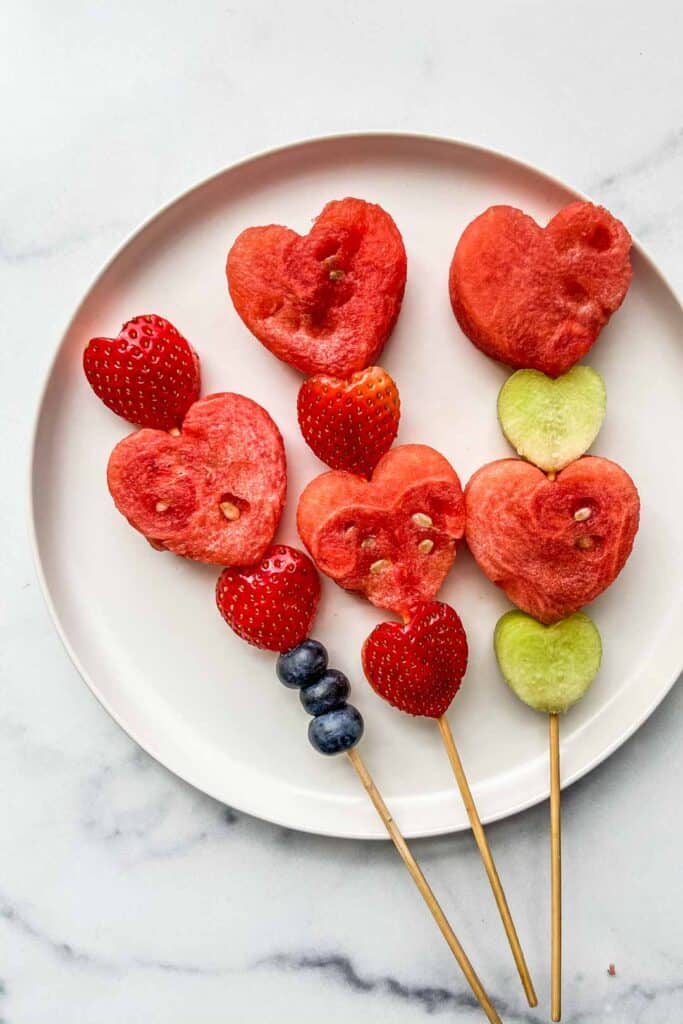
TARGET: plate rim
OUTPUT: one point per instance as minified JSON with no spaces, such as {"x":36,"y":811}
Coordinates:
{"x":255,"y":157}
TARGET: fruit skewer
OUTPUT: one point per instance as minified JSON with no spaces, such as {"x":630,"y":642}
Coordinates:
{"x":351,"y":425}
{"x":554,"y":531}
{"x":272,"y":605}
{"x":418,"y":667}
{"x":550,"y":668}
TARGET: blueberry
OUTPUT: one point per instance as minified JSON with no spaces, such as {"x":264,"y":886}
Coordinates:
{"x":325,"y":694}
{"x":302,"y":665}
{"x":336,"y":731}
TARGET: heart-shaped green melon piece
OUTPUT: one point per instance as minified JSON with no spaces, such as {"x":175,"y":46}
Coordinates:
{"x":550,"y":421}
{"x":548,"y":667}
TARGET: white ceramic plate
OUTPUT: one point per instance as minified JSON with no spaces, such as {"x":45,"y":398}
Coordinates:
{"x":142,"y":626}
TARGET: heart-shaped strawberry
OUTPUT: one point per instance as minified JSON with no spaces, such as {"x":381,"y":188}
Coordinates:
{"x":350,"y":424}
{"x":552,"y":546}
{"x":325,"y":302}
{"x":538,"y":297}
{"x":393,"y":538}
{"x":149,"y":373}
{"x":213,"y":492}
{"x":272,"y":604}
{"x":418,"y":667}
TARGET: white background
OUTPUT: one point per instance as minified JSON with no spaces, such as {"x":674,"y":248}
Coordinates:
{"x":125,"y":895}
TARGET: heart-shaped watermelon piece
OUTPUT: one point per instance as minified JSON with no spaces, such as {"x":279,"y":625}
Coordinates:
{"x":392,"y":537}
{"x":418,"y":667}
{"x":213,"y":492}
{"x":538,"y":297}
{"x":552,"y":422}
{"x":552,"y":546}
{"x":324,"y":302}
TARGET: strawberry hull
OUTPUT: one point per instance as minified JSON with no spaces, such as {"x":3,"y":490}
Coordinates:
{"x":215,"y":492}
{"x":552,"y":546}
{"x":392,"y":538}
{"x":535,"y":297}
{"x":324,"y":302}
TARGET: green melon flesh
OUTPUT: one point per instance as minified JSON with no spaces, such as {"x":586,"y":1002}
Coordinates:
{"x":548,"y":667}
{"x":552,"y":422}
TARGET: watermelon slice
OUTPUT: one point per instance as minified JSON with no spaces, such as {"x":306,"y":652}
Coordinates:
{"x":393,"y":538}
{"x":536,"y":297}
{"x":214,"y":492}
{"x":325,"y":302}
{"x":552,"y":546}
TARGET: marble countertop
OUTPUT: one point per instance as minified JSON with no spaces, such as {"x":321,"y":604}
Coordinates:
{"x":125,"y":895}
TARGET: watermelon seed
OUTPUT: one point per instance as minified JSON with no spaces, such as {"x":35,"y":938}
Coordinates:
{"x":582,"y":514}
{"x":380,"y":566}
{"x":425,"y":546}
{"x":161,"y":506}
{"x":229,"y":510}
{"x":421,"y":519}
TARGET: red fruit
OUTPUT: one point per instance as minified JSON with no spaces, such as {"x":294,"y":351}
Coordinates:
{"x":538,"y":297}
{"x":149,"y":374}
{"x":418,"y":667}
{"x":350,"y":424}
{"x":213,"y":493}
{"x":393,"y":537}
{"x":272,"y":604}
{"x":552,"y":546}
{"x":325,"y":302}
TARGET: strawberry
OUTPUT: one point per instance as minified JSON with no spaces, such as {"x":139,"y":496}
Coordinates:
{"x":271,"y":604}
{"x":418,"y":667}
{"x":350,"y":424}
{"x":149,"y":374}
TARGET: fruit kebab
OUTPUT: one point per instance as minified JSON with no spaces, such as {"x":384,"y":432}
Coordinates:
{"x":206,"y":480}
{"x":272,"y":605}
{"x":550,"y":668}
{"x":552,"y":532}
{"x":552,"y":543}
{"x":393,"y":538}
{"x":326,"y":303}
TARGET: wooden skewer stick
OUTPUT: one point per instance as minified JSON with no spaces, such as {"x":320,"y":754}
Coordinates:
{"x":423,"y":885}
{"x":555,"y":873}
{"x":487,"y":858}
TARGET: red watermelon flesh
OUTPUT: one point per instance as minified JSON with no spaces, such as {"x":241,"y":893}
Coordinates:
{"x":552,"y":546}
{"x":213,"y":493}
{"x":325,"y":302}
{"x":536,"y":297}
{"x":393,"y":537}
